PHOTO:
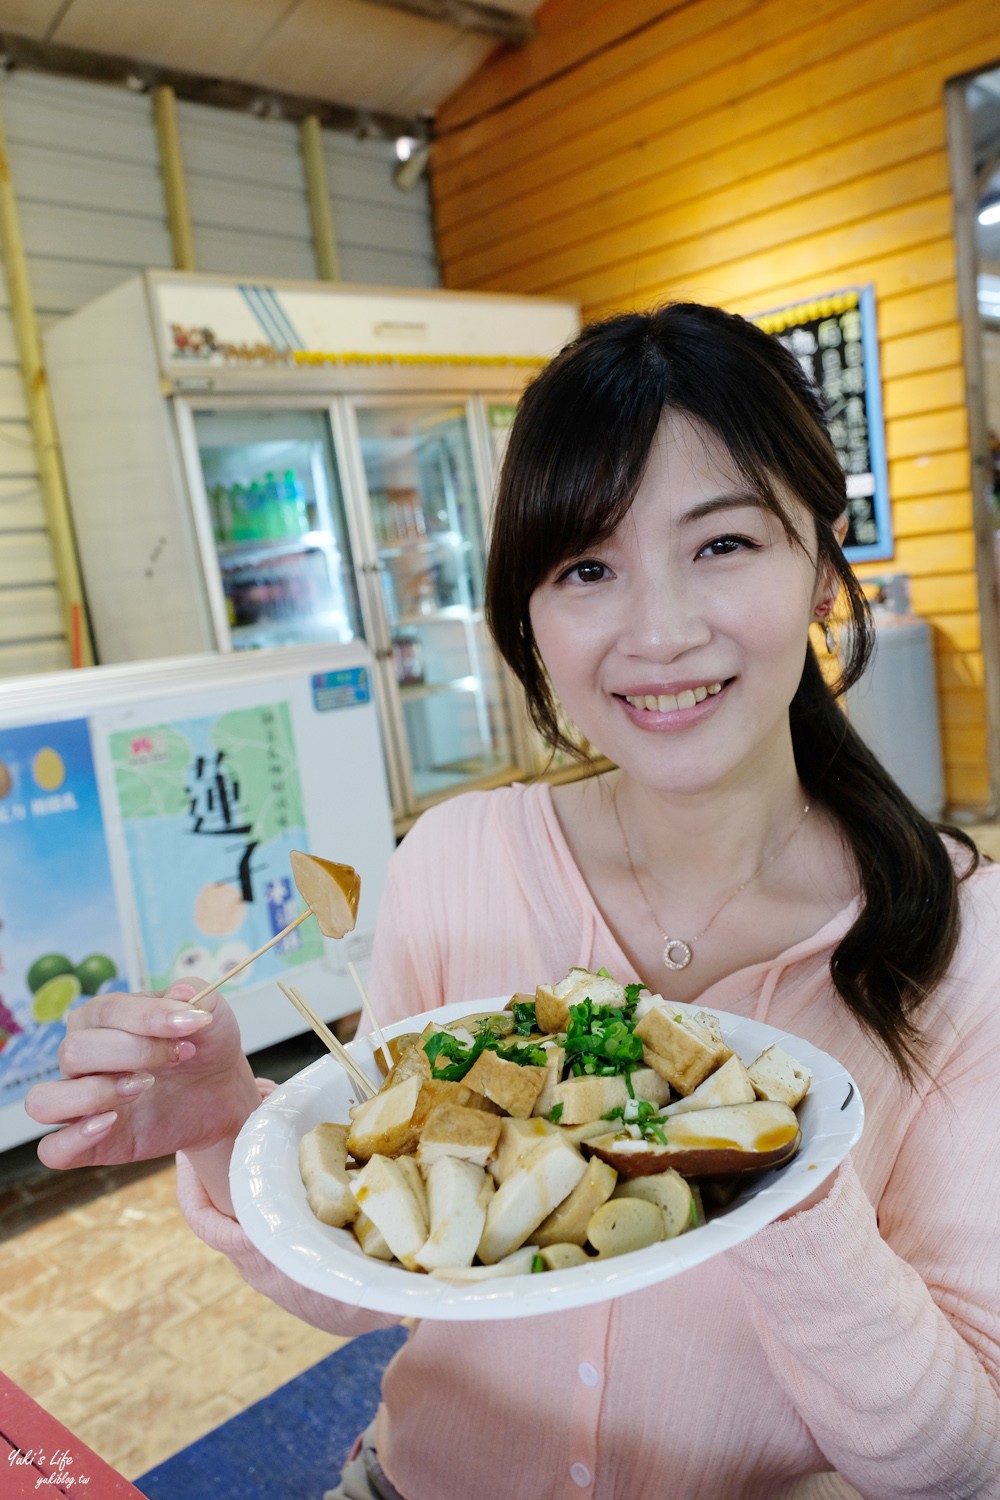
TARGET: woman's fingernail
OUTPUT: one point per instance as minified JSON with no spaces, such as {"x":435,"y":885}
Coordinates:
{"x":99,"y":1124}
{"x":135,"y":1083}
{"x":181,"y":991}
{"x":189,"y":1020}
{"x":183,"y":1051}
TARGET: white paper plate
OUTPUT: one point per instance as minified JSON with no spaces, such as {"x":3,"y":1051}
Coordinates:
{"x":271,"y":1205}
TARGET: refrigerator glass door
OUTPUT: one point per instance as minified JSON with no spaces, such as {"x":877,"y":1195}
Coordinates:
{"x":277,"y":514}
{"x":427,"y":519}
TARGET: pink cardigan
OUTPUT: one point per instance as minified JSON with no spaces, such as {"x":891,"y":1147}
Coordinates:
{"x":859,"y":1339}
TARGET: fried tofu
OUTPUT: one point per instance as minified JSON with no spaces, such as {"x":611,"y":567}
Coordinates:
{"x":680,"y":1049}
{"x":323,"y":1167}
{"x":513,"y":1086}
{"x":444,"y":1091}
{"x":547,"y":1176}
{"x":384,"y":1191}
{"x":588,"y":1098}
{"x":455,"y":1130}
{"x":777,"y":1077}
{"x":458,"y":1193}
{"x":382,"y":1126}
{"x":729,"y":1084}
{"x":552,"y":1002}
{"x":518,"y":1138}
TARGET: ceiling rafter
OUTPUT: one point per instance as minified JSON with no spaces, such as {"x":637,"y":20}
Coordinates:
{"x":469,"y":15}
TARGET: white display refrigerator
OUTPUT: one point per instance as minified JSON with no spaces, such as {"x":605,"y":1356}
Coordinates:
{"x":147,"y":814}
{"x":261,"y":465}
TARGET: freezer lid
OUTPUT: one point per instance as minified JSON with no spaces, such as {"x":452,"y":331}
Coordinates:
{"x":214,"y":334}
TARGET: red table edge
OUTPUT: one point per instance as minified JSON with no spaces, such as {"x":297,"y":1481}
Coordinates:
{"x":49,"y":1450}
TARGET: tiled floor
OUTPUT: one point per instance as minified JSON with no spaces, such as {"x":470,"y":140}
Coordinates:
{"x":122,"y":1324}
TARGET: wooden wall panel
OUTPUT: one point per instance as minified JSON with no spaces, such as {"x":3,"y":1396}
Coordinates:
{"x":752,"y":155}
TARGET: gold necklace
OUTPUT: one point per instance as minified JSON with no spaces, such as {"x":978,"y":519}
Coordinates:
{"x":678,"y":952}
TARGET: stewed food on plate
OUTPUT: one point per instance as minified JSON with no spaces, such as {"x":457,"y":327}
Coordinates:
{"x":587,"y":1120}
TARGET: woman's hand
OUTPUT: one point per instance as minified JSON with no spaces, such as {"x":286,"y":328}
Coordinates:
{"x":144,"y":1076}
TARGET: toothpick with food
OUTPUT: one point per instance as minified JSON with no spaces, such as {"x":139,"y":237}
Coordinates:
{"x":331,"y":892}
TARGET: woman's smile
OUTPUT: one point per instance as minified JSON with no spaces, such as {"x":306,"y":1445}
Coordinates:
{"x":657,"y":710}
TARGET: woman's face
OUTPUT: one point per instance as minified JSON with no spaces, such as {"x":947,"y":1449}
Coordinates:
{"x":676,"y":646}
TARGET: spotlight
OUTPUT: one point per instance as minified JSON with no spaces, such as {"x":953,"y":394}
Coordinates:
{"x":990,"y":213}
{"x":413,"y":166}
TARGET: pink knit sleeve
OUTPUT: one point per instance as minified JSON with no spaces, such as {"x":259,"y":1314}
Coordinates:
{"x":225,"y":1235}
{"x":885,"y":1331}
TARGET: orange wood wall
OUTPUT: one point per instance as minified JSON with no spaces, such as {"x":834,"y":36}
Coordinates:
{"x":751,"y":153}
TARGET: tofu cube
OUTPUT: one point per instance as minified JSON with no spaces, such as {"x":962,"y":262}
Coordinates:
{"x":679,"y":1049}
{"x":588,"y":1098}
{"x":454,"y":1130}
{"x":384,"y":1193}
{"x":729,"y":1084}
{"x":513,"y":1087}
{"x":382,"y":1126}
{"x":547,"y":1176}
{"x":779,"y":1078}
{"x":552,"y":1002}
{"x":323,"y":1166}
{"x":458,"y":1193}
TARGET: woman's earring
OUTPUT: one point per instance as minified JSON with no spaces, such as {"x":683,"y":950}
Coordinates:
{"x":823,"y":612}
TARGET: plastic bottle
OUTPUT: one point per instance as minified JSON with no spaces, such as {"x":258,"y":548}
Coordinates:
{"x":295,"y":514}
{"x":240,"y":529}
{"x":256,"y":518}
{"x":273,"y":508}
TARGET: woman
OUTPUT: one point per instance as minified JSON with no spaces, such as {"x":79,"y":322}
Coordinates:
{"x":667,"y":531}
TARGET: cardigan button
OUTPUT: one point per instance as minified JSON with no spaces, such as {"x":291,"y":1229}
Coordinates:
{"x":580,"y":1475}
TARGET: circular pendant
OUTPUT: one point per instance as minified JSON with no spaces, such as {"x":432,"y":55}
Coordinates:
{"x":676,"y":953}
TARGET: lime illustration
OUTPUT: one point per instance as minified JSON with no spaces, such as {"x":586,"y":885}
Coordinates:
{"x":48,"y":769}
{"x":47,"y":967}
{"x":55,"y":997}
{"x":93,"y":970}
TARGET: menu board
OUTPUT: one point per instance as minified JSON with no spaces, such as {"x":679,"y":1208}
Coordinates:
{"x":211,"y":808}
{"x":835,"y":340}
{"x":60,"y":939}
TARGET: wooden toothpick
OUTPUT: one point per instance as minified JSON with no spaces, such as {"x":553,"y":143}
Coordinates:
{"x":366,"y":1005}
{"x":225,"y":978}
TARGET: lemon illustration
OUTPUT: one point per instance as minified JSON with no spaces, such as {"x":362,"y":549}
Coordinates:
{"x":93,"y":971}
{"x":45,"y":968}
{"x":48,"y":769}
{"x":55,"y":997}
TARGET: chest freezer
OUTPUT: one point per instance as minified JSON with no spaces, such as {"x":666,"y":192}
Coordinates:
{"x":147,"y":813}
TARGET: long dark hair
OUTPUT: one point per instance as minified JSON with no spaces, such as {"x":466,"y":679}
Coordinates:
{"x":575,"y":459}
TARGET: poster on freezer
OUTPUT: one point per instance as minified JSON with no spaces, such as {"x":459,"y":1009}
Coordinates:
{"x":60,"y":938}
{"x":211,"y":808}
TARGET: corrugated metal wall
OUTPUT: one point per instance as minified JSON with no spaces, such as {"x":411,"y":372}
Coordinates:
{"x":751,"y":153}
{"x":85,"y":168}
{"x":384,"y":235}
{"x":246,"y":193}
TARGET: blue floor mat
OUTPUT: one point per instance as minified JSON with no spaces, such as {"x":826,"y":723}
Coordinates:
{"x":290,"y":1446}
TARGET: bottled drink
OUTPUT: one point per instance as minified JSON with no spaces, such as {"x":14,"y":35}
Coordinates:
{"x":294,"y":513}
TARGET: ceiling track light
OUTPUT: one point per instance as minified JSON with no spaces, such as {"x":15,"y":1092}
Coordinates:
{"x":411,"y":167}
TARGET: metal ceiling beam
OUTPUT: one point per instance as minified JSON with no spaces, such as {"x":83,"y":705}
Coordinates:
{"x":222,"y":93}
{"x":469,"y":15}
